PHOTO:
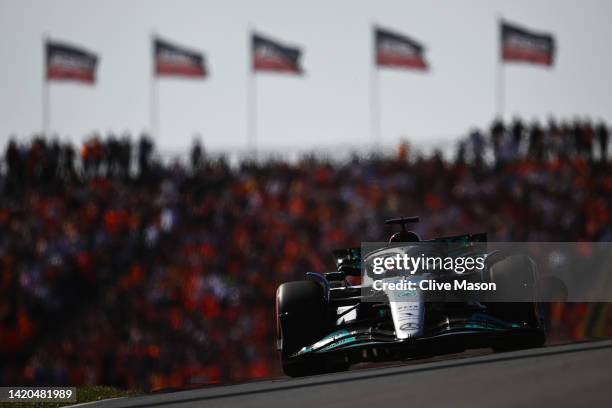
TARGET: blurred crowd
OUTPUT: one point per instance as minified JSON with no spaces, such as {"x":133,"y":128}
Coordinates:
{"x":558,"y":140}
{"x":117,"y":269}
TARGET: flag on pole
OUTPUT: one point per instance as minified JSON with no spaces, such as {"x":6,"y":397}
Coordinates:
{"x":398,"y":51}
{"x":521,"y":45}
{"x":270,"y":55}
{"x":67,"y":62}
{"x":174,"y":60}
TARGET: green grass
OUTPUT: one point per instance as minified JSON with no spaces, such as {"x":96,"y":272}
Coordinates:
{"x":84,"y":394}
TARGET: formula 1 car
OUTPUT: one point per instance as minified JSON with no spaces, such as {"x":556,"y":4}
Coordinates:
{"x":325,"y":324}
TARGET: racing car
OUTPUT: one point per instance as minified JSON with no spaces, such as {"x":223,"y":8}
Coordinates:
{"x":325,"y":324}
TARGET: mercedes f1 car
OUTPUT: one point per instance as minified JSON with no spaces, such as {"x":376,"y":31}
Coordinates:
{"x":325,"y":324}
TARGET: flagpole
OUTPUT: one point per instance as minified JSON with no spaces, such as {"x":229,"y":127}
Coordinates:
{"x":374,"y":97}
{"x":45,"y":91}
{"x":500,"y":75}
{"x":375,"y":107}
{"x":500,"y":88}
{"x":153,"y":95}
{"x":251,"y":101}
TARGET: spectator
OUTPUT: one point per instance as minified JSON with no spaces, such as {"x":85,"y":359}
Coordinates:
{"x":478,"y":146}
{"x":517,"y":134}
{"x":145,"y":150}
{"x":497,"y":134}
{"x":602,"y":138}
{"x":536,"y":143}
{"x":196,"y":155}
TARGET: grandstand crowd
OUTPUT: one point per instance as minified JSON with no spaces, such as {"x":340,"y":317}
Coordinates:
{"x":117,"y":269}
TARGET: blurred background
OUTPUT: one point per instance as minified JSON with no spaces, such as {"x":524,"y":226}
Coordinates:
{"x":146,"y":217}
{"x":330,"y":104}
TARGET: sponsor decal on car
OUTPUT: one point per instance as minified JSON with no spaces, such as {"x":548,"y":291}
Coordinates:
{"x":339,"y":343}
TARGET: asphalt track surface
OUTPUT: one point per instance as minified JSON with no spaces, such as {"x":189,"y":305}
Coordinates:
{"x":576,"y":375}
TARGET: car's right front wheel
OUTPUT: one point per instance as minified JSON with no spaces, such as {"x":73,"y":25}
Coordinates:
{"x":301,"y":320}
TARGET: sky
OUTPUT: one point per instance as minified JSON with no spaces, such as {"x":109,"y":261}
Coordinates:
{"x":327,"y":108}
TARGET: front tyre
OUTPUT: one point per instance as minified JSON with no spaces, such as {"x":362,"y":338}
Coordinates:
{"x":526,"y":341}
{"x":518,"y":276}
{"x":300,"y":321}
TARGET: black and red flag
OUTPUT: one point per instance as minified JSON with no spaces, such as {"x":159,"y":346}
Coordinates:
{"x":270,"y":55}
{"x":398,"y":50}
{"x":67,"y":62}
{"x":174,"y":60}
{"x":519,"y":44}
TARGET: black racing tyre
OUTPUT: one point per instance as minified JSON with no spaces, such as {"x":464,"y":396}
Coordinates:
{"x":301,"y":314}
{"x":516,"y":276}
